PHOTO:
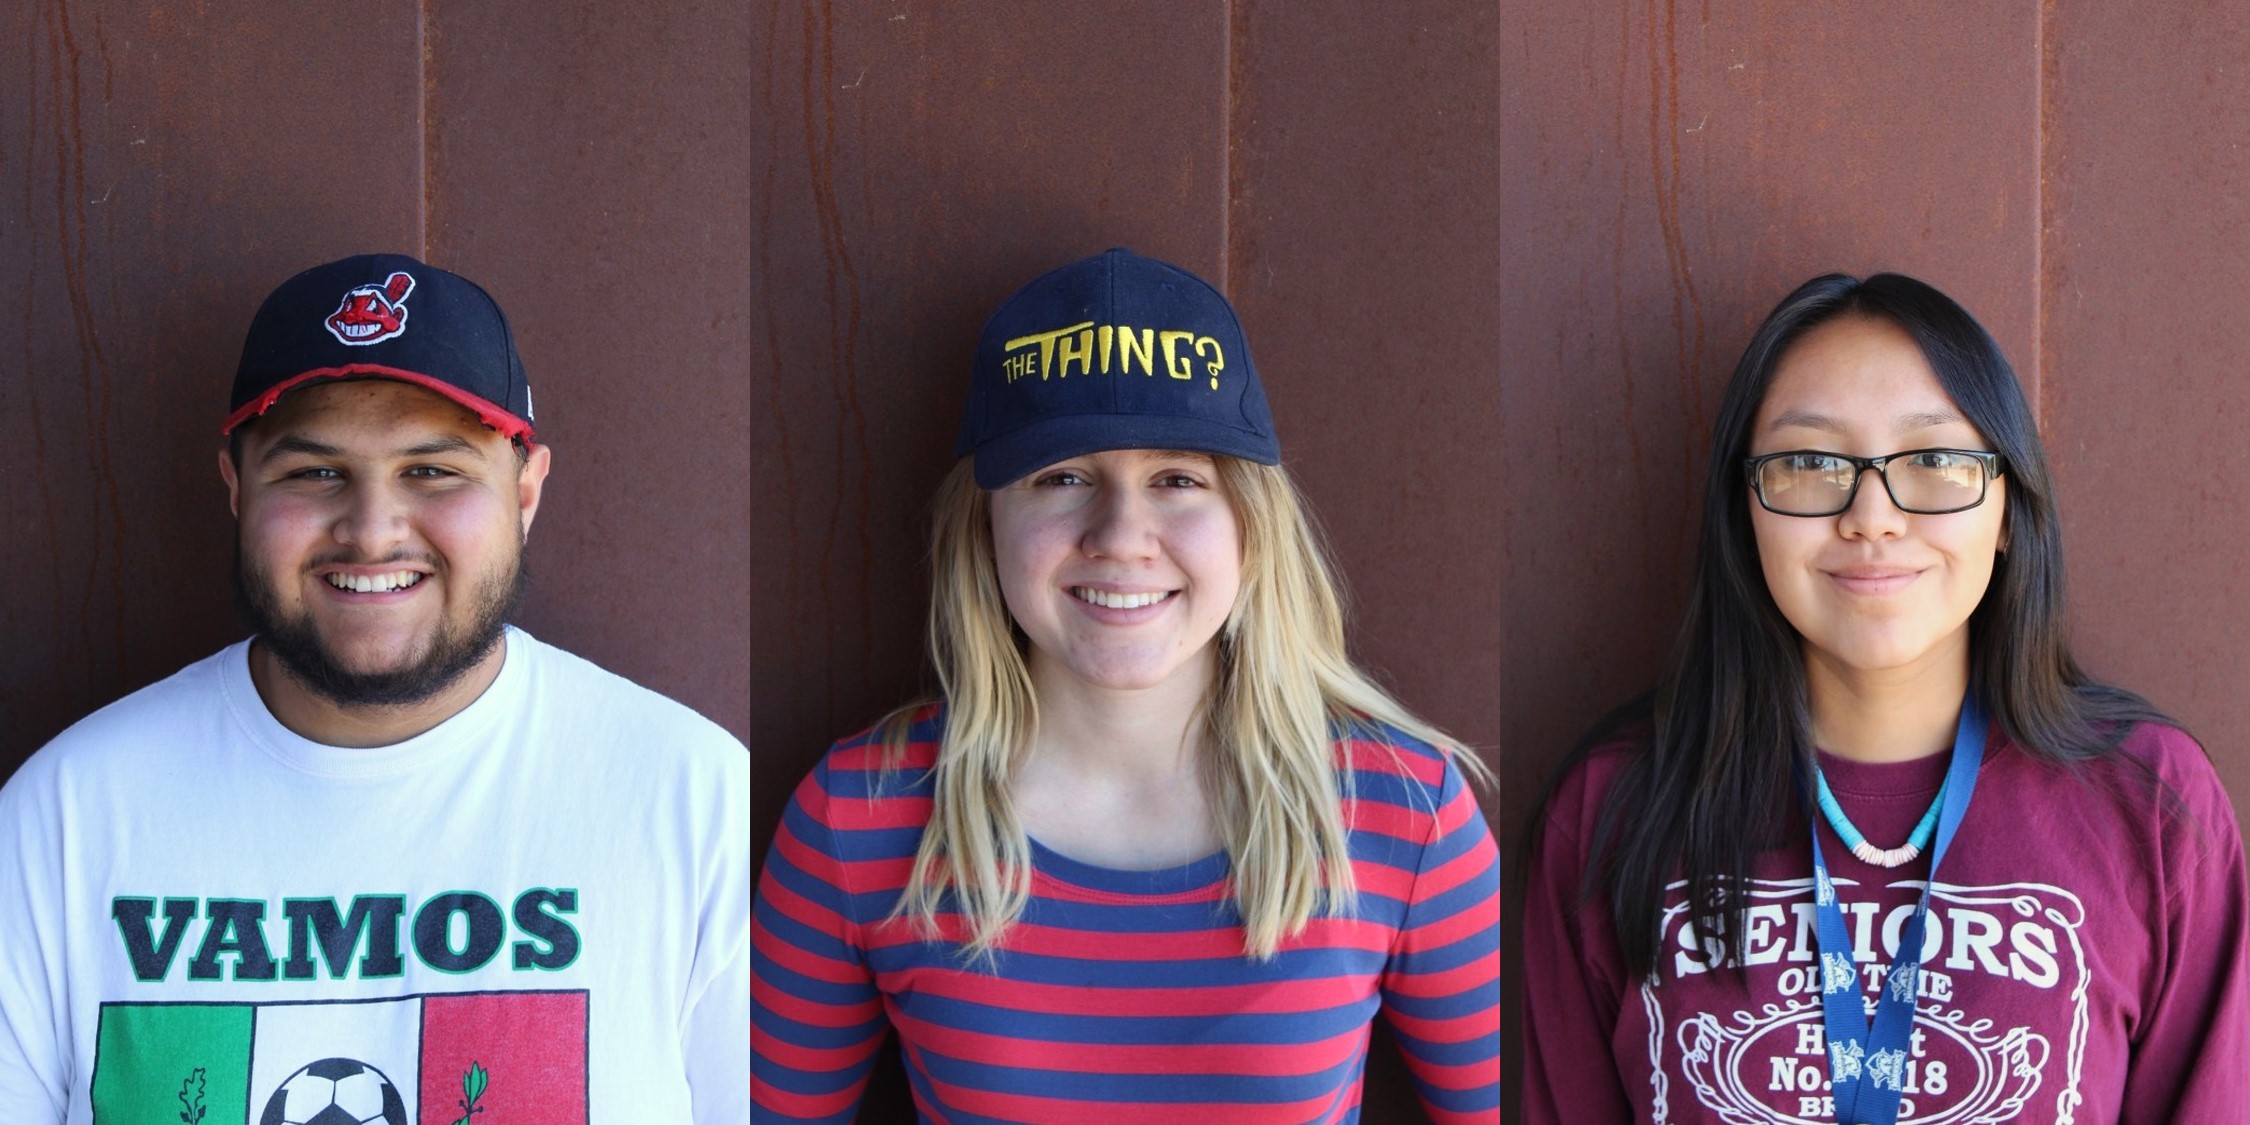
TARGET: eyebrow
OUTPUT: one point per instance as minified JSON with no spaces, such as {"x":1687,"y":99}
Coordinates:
{"x":1919,"y":420}
{"x":286,"y":446}
{"x":307,"y":447}
{"x":436,"y":446}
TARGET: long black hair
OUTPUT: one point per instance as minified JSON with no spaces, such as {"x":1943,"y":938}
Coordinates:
{"x":1728,"y":727}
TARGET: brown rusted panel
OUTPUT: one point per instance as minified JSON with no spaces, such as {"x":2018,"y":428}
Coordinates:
{"x":1364,"y":258}
{"x":589,"y":167}
{"x":160,"y":170}
{"x":913,"y":165}
{"x":1669,"y":171}
{"x":2144,"y":336}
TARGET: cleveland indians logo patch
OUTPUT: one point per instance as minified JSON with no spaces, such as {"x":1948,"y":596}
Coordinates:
{"x":372,"y":313}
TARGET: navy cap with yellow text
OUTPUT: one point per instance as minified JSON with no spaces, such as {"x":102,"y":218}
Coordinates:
{"x":1114,"y":352}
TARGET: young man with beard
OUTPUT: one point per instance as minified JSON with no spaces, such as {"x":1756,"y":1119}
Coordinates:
{"x":389,"y":859}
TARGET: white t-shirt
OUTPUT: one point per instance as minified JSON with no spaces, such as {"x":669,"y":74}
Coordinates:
{"x":539,"y":909}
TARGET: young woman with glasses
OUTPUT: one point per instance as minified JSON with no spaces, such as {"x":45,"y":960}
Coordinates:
{"x":1158,"y":851}
{"x":1876,"y":849}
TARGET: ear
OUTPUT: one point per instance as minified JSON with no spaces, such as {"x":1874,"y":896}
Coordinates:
{"x":234,"y":485}
{"x":531,"y":481}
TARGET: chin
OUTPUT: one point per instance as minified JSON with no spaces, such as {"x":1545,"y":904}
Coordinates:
{"x":375,"y":657}
{"x":1123,"y":681}
{"x":1882,"y":655}
{"x":1123,"y":675}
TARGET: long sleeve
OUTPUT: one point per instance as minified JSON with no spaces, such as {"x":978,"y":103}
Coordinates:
{"x":33,"y":1069}
{"x":1570,"y":992}
{"x":816,"y":1018}
{"x":2191,"y":1054}
{"x":1441,"y":989}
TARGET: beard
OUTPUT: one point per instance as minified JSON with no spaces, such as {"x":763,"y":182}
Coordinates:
{"x":305,"y":654}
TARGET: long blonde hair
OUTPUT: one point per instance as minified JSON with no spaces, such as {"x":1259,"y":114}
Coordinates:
{"x":1285,"y":687}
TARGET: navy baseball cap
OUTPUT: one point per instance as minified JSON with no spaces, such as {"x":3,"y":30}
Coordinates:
{"x":384,"y":316}
{"x":1114,"y":352}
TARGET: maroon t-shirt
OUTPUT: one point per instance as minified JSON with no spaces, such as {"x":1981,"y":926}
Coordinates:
{"x":2084,"y":958}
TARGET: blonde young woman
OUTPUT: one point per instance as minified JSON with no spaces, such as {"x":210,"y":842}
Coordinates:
{"x":1159,"y":852}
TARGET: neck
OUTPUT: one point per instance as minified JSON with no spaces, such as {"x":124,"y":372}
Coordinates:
{"x":1890,"y":714}
{"x":1148,"y":734}
{"x":311,"y":715}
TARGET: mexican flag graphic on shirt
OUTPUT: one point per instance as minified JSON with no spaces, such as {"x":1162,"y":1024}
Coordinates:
{"x":480,"y":1058}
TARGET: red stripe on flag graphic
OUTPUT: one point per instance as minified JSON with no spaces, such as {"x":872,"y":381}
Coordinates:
{"x":498,"y":1051}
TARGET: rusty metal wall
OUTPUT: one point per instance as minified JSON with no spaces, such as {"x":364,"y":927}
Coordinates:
{"x":161,"y":168}
{"x":915,"y":164}
{"x":2143,"y":271}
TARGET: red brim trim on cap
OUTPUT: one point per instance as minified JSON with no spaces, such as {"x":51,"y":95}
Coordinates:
{"x":491,"y":415}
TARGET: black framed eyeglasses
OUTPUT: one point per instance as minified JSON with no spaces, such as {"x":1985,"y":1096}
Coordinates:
{"x":1926,"y":482}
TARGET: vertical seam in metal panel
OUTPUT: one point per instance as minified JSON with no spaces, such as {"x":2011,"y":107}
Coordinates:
{"x":1227,"y":139}
{"x":422,"y":125}
{"x":2040,"y":199}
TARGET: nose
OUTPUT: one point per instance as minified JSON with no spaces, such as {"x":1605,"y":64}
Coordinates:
{"x":1120,"y":524}
{"x":373,"y":521}
{"x":1872,"y":514}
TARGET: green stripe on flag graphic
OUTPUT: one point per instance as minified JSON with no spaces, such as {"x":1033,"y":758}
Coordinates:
{"x":165,"y":1063}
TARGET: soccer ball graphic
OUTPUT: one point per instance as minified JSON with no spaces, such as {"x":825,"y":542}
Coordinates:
{"x":335,"y":1092}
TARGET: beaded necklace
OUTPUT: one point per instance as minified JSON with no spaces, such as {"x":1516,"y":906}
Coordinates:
{"x":1869,"y":853}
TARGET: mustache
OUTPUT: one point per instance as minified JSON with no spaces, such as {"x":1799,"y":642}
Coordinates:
{"x":351,"y":558}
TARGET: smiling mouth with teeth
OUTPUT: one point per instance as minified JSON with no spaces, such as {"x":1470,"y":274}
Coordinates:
{"x":1108,"y":600}
{"x":374,"y":583}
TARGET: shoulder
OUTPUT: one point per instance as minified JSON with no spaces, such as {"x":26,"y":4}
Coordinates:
{"x":578,"y":691}
{"x":1401,"y":785}
{"x":1581,"y":785}
{"x":2157,"y":786}
{"x":873,"y":748}
{"x":869,"y":781}
{"x":132,"y":735}
{"x":2187,"y":785}
{"x":2165,"y":793}
{"x":1389,"y":764}
{"x":2152,"y":764}
{"x":2172,"y":753}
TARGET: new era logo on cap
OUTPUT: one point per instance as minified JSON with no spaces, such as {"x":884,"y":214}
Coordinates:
{"x":1114,"y":352}
{"x":371,"y":313}
{"x":348,"y":320}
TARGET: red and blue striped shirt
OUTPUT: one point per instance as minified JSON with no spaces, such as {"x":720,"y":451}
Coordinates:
{"x":1124,"y":996}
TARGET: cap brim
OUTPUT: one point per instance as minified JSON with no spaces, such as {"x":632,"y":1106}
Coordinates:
{"x":487,"y":412}
{"x":1005,"y":459}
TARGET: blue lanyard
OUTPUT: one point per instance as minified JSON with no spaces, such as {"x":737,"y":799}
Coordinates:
{"x":1867,"y":1068}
